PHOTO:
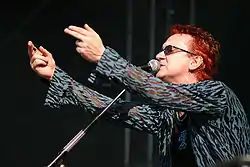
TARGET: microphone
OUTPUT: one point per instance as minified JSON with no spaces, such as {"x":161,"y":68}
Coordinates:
{"x":152,"y":66}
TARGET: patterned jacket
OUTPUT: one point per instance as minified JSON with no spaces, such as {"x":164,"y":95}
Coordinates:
{"x":219,"y":130}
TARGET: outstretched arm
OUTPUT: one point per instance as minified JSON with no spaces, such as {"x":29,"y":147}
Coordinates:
{"x":206,"y":96}
{"x":64,"y":90}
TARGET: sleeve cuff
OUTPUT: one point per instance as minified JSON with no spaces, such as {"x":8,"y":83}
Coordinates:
{"x":111,"y":64}
{"x":57,"y":87}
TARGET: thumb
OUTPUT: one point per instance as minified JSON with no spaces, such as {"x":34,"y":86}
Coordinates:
{"x":87,"y":27}
{"x":44,"y":51}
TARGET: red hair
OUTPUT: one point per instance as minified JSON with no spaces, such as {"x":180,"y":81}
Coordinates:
{"x":204,"y":45}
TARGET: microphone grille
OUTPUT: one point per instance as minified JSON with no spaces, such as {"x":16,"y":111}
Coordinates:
{"x":155,"y":65}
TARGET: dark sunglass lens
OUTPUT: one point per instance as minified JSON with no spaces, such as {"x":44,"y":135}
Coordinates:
{"x":168,"y":49}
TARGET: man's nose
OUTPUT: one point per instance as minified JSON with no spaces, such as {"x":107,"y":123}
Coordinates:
{"x":160,"y":56}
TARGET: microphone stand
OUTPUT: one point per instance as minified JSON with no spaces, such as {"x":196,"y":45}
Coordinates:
{"x":58,"y":161}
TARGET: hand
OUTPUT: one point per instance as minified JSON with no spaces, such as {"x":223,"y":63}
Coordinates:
{"x":41,"y":61}
{"x":89,"y":44}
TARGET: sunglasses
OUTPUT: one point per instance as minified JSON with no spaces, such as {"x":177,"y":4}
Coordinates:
{"x":170,"y":48}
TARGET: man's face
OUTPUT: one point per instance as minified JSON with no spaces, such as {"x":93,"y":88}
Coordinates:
{"x":174,"y":66}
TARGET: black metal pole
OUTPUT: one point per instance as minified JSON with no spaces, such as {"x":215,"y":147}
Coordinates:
{"x":57,"y":162}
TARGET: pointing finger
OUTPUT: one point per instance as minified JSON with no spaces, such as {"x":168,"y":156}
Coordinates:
{"x":44,"y":51}
{"x":79,"y":30}
{"x":74,"y":34}
{"x":31,"y":49}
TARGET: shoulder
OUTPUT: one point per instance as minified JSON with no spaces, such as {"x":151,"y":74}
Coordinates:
{"x":211,"y":89}
{"x":206,"y":86}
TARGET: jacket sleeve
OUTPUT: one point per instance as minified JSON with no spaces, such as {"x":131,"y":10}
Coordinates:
{"x":63,"y":90}
{"x":205,"y":96}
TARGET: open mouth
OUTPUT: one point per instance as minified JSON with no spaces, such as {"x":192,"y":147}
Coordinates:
{"x":162,"y":66}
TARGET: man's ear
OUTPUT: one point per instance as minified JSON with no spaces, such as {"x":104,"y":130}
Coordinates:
{"x":195,"y":63}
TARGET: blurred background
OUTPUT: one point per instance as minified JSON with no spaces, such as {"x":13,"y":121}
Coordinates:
{"x":32,"y":135}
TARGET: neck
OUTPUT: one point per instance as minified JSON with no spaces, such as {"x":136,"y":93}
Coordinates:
{"x":186,"y":79}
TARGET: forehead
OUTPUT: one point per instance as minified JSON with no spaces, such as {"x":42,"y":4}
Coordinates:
{"x":179,"y":40}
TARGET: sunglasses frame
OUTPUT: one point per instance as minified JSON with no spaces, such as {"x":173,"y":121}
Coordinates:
{"x":169,"y":48}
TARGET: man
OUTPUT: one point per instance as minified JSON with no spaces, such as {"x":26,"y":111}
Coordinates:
{"x":197,"y":121}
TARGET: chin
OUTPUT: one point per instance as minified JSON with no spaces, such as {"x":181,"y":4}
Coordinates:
{"x":159,"y":75}
{"x":163,"y":77}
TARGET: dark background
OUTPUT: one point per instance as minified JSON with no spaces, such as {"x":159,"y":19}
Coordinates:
{"x":31,"y":134}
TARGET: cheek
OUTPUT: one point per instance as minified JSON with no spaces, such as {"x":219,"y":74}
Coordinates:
{"x":178,"y":61}
{"x":177,"y":65}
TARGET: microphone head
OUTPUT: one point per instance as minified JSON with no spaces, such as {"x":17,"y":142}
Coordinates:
{"x":155,"y":65}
